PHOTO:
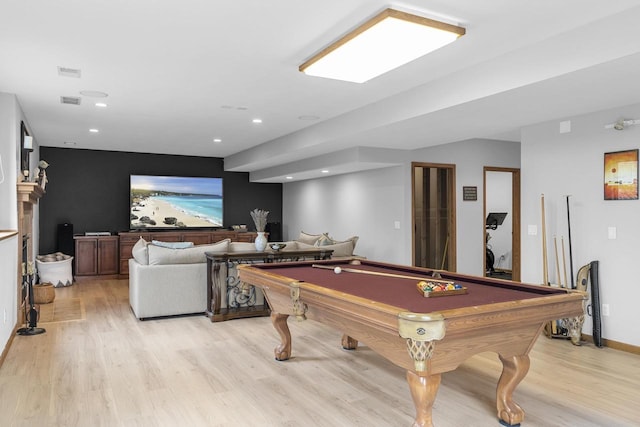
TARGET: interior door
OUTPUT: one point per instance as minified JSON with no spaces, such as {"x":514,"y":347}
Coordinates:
{"x":501,"y":256}
{"x":434,"y":236}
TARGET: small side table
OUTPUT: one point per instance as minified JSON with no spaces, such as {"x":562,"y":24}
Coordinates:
{"x":241,"y":298}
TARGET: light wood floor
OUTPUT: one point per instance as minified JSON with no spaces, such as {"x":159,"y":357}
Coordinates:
{"x":113,"y":370}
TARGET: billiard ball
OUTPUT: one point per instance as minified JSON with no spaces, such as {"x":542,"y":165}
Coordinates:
{"x":337,"y":270}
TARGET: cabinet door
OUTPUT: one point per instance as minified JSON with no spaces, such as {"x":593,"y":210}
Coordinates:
{"x":247,"y":237}
{"x":167,"y":237}
{"x":108,"y":262}
{"x":86,"y":257}
{"x":197,"y":238}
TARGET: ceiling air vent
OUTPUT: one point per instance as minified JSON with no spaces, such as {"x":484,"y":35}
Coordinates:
{"x":68,"y":72}
{"x":72,"y":100}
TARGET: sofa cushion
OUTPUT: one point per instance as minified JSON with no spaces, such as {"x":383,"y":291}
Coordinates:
{"x":242,"y":247}
{"x":343,"y":249}
{"x":159,"y":255}
{"x":172,"y":245}
{"x":140,"y":252}
{"x":291,"y":245}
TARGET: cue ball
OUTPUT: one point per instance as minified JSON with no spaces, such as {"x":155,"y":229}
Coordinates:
{"x":337,"y":270}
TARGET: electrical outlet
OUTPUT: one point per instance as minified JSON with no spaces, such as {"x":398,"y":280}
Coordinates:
{"x":605,"y":309}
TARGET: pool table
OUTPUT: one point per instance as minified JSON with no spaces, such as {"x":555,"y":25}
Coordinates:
{"x":379,"y":305}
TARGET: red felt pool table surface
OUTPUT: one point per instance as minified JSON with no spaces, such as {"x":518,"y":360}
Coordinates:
{"x":403,"y":293}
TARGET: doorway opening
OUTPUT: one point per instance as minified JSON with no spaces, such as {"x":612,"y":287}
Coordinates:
{"x":434,"y":216}
{"x":501,"y":255}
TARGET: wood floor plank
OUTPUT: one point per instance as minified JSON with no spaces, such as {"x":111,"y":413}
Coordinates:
{"x":111,"y":369}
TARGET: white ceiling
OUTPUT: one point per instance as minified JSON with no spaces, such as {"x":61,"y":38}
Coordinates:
{"x":179,"y":74}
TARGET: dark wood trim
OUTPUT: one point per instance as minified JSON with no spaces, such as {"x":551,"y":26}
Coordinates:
{"x":616,"y":345}
{"x":452,"y":251}
{"x":8,"y":346}
{"x":515,"y":222}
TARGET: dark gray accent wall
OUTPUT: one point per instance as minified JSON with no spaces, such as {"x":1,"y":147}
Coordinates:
{"x":90,"y":189}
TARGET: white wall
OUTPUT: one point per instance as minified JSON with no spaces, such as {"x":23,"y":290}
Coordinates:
{"x":368,"y":203}
{"x":9,"y":142}
{"x":572,"y":164}
{"x":11,"y":116}
{"x":362,"y":204}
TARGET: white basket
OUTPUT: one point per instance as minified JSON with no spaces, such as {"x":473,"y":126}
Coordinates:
{"x":56,"y":272}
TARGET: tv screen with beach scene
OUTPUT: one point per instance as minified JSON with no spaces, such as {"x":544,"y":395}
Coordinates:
{"x":175,"y":202}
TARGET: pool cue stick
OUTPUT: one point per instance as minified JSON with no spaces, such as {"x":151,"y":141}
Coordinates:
{"x":444,"y":254}
{"x":373,"y":273}
{"x":545,"y":272}
{"x":555,"y":245}
{"x":573,"y":283}
{"x":564,"y":263}
{"x":552,"y":328}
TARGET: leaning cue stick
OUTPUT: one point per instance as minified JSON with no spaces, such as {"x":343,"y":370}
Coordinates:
{"x":545,"y":272}
{"x":564,"y":263}
{"x":444,"y":253}
{"x":555,"y":245}
{"x":573,"y":283}
{"x":373,"y":273}
{"x":553,"y":330}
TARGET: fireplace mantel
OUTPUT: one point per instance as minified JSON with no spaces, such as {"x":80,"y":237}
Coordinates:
{"x":29,"y":192}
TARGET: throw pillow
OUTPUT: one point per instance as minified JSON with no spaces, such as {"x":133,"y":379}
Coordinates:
{"x":309,"y":239}
{"x":140,"y":252}
{"x":352,"y":239}
{"x":172,"y":245}
{"x":324,"y":240}
{"x":343,"y":249}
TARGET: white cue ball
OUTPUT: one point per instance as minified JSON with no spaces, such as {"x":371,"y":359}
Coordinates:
{"x":337,"y":270}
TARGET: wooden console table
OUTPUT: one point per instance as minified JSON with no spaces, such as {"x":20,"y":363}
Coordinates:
{"x":243,"y":300}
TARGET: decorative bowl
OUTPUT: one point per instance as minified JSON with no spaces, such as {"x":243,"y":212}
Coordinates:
{"x":277,"y":246}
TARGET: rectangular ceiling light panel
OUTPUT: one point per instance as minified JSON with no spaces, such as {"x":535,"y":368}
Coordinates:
{"x":387,"y":41}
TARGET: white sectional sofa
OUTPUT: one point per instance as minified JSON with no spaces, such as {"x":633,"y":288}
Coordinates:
{"x":165,"y":280}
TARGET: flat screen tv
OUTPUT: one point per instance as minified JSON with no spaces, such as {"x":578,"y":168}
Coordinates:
{"x":175,"y":202}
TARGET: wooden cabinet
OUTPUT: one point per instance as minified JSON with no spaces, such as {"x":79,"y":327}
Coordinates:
{"x":96,"y":255}
{"x":199,"y":237}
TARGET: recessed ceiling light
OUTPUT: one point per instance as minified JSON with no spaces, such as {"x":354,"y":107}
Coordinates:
{"x":288,"y":177}
{"x":324,"y":171}
{"x":69,"y":143}
{"x":101,"y":104}
{"x":94,"y":93}
{"x":217,"y":140}
{"x":257,"y":120}
{"x":94,"y":130}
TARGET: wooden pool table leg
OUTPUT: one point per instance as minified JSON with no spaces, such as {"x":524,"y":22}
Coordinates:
{"x":423,"y":392}
{"x":514,"y":369}
{"x":279,"y":321}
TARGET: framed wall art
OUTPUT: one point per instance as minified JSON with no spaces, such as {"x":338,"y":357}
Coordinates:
{"x":621,"y":175}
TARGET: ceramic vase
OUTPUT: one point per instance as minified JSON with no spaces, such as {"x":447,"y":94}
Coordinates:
{"x":261,"y":241}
